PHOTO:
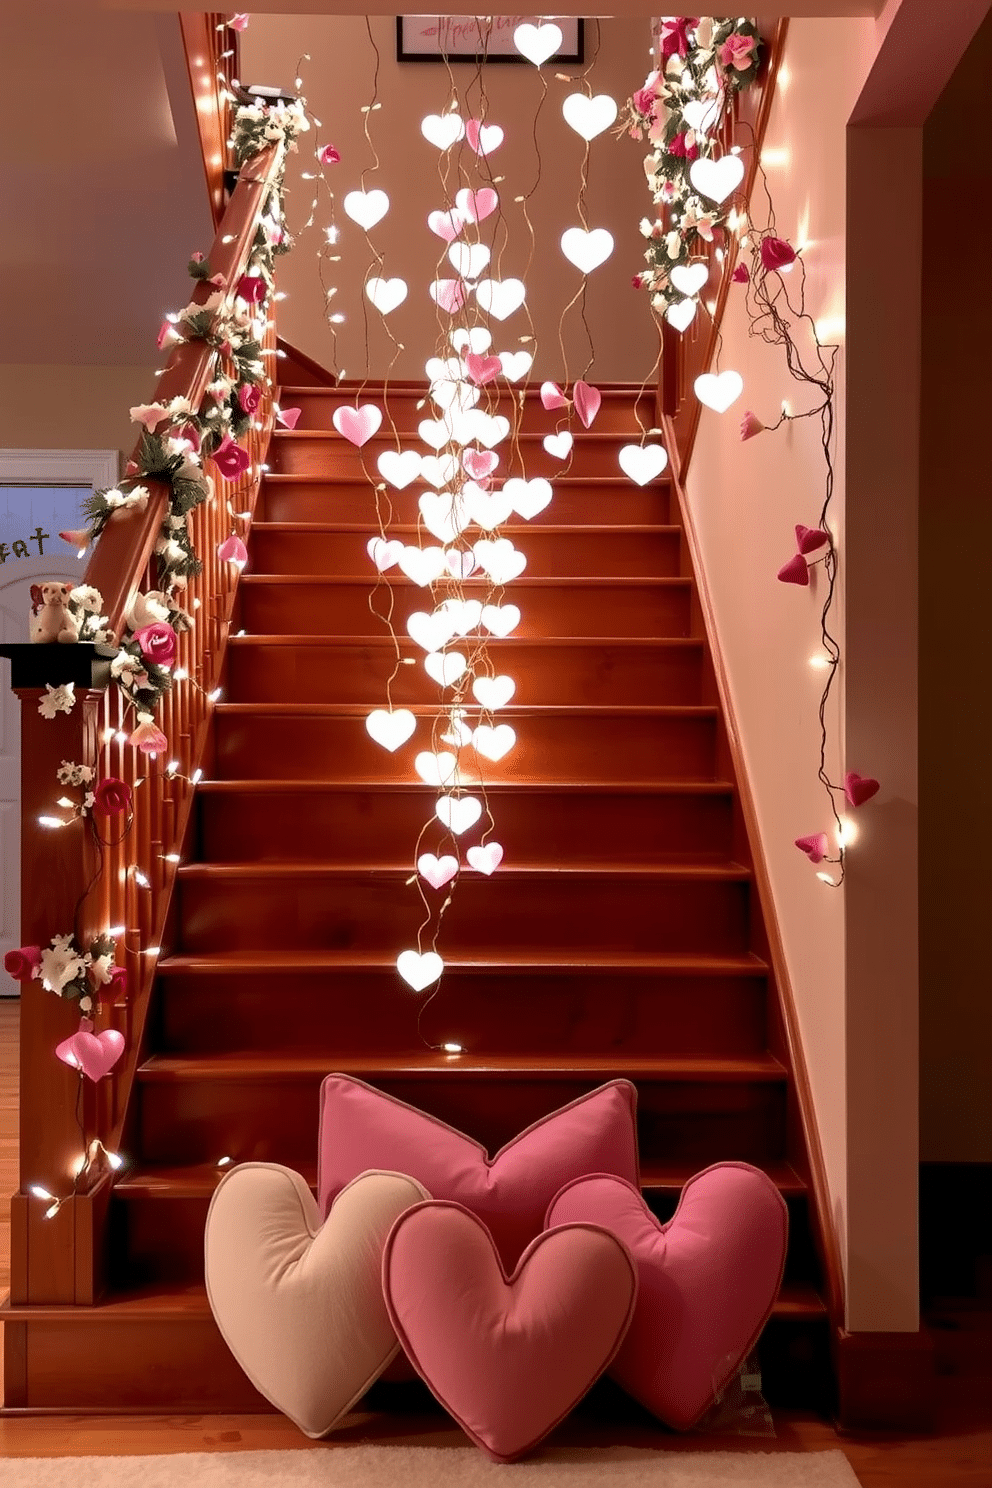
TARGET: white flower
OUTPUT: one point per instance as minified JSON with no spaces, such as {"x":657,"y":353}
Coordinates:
{"x":176,"y":406}
{"x":100,"y":969}
{"x":88,"y":800}
{"x":114,"y":498}
{"x":60,"y":964}
{"x":673,"y":244}
{"x":85,"y":1004}
{"x":72,"y":774}
{"x":59,"y":700}
{"x":137,"y":497}
{"x":123,"y":662}
{"x":704,"y":33}
{"x":148,"y":414}
{"x":274,"y":132}
{"x":219,"y":389}
{"x":645,"y":227}
{"x":87,"y":598}
{"x":146,"y":609}
{"x":249,"y":113}
{"x":168,"y":549}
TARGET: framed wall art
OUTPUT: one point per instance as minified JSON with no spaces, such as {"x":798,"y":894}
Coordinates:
{"x":479,"y":39}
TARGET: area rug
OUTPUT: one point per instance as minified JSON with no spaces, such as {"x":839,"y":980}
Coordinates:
{"x":429,"y":1467}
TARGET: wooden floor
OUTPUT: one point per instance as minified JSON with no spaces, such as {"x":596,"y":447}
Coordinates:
{"x":959,"y":1454}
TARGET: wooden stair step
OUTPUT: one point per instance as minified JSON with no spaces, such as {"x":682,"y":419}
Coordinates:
{"x":326,"y":453}
{"x":509,"y":961}
{"x":427,"y":1063}
{"x":619,"y":409}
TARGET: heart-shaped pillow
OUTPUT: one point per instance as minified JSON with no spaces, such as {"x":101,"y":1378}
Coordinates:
{"x":362,"y":1128}
{"x":299,"y":1303}
{"x":507,"y":1356}
{"x":708,"y":1280}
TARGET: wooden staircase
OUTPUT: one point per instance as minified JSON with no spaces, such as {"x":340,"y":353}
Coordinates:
{"x":621,"y":936}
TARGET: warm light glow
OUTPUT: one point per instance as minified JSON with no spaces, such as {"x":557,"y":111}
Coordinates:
{"x":453,"y":1048}
{"x":140,"y":879}
{"x":51,"y":822}
{"x":775,"y":158}
{"x":153,"y":950}
{"x":172,"y":857}
{"x":115,"y":930}
{"x":825,"y":878}
{"x":821,"y":661}
{"x":222,"y":1162}
{"x":847,"y":832}
{"x":196,"y":777}
{"x":39,"y":1192}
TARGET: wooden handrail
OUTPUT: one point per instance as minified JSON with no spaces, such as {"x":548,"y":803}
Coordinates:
{"x":205,"y":37}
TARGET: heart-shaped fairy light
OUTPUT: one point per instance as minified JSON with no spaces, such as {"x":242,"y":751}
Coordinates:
{"x":795,"y":571}
{"x":231,"y":550}
{"x":460,"y":565}
{"x":485,"y":859}
{"x":468,"y":259}
{"x":500,"y":297}
{"x":701,"y":114}
{"x":399,"y":468}
{"x":528,"y":497}
{"x":482,"y":369}
{"x":815,"y":846}
{"x":442,"y":130}
{"x":681,"y":314}
{"x":552,"y":396}
{"x":500,"y":559}
{"x":463,"y":614}
{"x":476,"y":339}
{"x":357,"y":424}
{"x":479,"y":463}
{"x":447,"y":294}
{"x":483,"y":138}
{"x":391,"y":728}
{"x":690,"y":278}
{"x":444,"y":515}
{"x":458,"y":813}
{"x":445,"y":225}
{"x":493,"y":692}
{"x":438,"y":470}
{"x":515,"y":364}
{"x":500,"y":620}
{"x":494,"y":743}
{"x":716,"y":179}
{"x":589,"y":116}
{"x":587,"y":400}
{"x":859,"y":788}
{"x":430,"y":631}
{"x":435,"y":432}
{"x":288,"y":418}
{"x":422,"y":565}
{"x":642,"y":462}
{"x":488,"y":429}
{"x":811,"y":538}
{"x":436,"y":769}
{"x":458,"y":395}
{"x":558,"y":445}
{"x":458,"y":731}
{"x":384,"y":552}
{"x":445,"y":667}
{"x":476,"y":206}
{"x":443,"y":369}
{"x":718,"y":390}
{"x":94,"y":1054}
{"x":366,"y":207}
{"x":437,"y":871}
{"x":386,"y":294}
{"x":490,"y":509}
{"x":586,"y":250}
{"x":419,"y":970}
{"x":537,"y":43}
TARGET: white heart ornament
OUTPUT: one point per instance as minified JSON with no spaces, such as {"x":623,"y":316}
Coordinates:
{"x":515,"y":364}
{"x":458,"y":813}
{"x":537,"y":43}
{"x":437,"y":871}
{"x":642,"y":462}
{"x":462,"y":615}
{"x":446,"y":369}
{"x":558,"y":445}
{"x":458,"y":733}
{"x":468,"y":260}
{"x":445,"y":225}
{"x":435,"y":432}
{"x":716,"y":179}
{"x":500,"y":559}
{"x":442,"y":130}
{"x":438,"y":470}
{"x":690,"y":278}
{"x":444,"y":515}
{"x":493,"y":692}
{"x":430,"y":631}
{"x":366,"y":207}
{"x":386,"y":294}
{"x":457,"y":395}
{"x":587,"y":250}
{"x":681,"y":314}
{"x":500,"y":620}
{"x":422,"y":565}
{"x":490,"y":429}
{"x":701,"y":114}
{"x":460,"y":565}
{"x":445,"y":667}
{"x":485,"y":859}
{"x":719,"y":390}
{"x":419,"y":970}
{"x":500,"y":297}
{"x":436,"y":769}
{"x":493,"y":743}
{"x":484,"y":138}
{"x":384,"y":553}
{"x":478,"y":339}
{"x":391,"y":729}
{"x":400,"y":469}
{"x":528,"y":497}
{"x":589,"y":116}
{"x":490,"y":509}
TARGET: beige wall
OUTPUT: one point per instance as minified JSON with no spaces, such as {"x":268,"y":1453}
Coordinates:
{"x":61,"y":407}
{"x":339,"y":81}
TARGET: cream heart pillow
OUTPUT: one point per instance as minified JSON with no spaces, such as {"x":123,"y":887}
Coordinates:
{"x":299,"y":1303}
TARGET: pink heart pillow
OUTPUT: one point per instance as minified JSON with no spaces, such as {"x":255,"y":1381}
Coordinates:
{"x":362,"y":1128}
{"x":708,"y":1280}
{"x":508,"y":1356}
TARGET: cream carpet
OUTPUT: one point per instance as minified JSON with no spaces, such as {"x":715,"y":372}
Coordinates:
{"x":431,"y":1467}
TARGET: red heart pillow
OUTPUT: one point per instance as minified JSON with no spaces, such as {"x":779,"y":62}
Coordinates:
{"x":707,"y":1280}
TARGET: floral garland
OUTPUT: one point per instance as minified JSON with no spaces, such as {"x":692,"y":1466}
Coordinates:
{"x":705,"y":61}
{"x":63,"y":968}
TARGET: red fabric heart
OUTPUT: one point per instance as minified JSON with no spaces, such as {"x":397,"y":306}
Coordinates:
{"x":810,"y":538}
{"x":815,"y":846}
{"x":795,"y":571}
{"x":587,"y":400}
{"x":859,"y":788}
{"x":707,"y":1280}
{"x":482,"y":369}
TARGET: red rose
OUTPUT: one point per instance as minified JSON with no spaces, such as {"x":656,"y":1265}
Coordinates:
{"x":677,"y":147}
{"x":116,"y":987}
{"x":252,"y":288}
{"x":111,"y":797}
{"x":637,"y":281}
{"x":231,"y":460}
{"x":158,"y":642}
{"x":22,"y":964}
{"x":249,"y":396}
{"x":327,"y":155}
{"x":776,"y":253}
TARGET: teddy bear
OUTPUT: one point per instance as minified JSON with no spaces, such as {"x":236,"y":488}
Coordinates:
{"x":50,"y":617}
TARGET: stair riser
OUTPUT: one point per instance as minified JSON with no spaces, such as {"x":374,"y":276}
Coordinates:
{"x":379,"y":914}
{"x":355,"y":609}
{"x":376,"y":827}
{"x":574,"y":503}
{"x":618,"y":411}
{"x":276,"y":1121}
{"x":549,"y":554}
{"x":548,"y":748}
{"x":375,"y":1012}
{"x":544,"y":675}
{"x":318,"y":456}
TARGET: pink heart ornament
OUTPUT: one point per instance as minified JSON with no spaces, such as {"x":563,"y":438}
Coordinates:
{"x":587,"y":400}
{"x":94,"y":1054}
{"x":794,"y":572}
{"x":476,"y":206}
{"x":480,"y":463}
{"x":483,"y":138}
{"x":288,"y":417}
{"x":448,"y":294}
{"x":357,"y":424}
{"x":552,"y":396}
{"x":810,"y":538}
{"x":482,"y":369}
{"x":859,"y":788}
{"x":485,"y":859}
{"x":445,"y":225}
{"x":815,"y":846}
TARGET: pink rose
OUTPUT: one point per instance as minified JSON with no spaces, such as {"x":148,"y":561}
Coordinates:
{"x":776,"y":253}
{"x":252,"y":288}
{"x":233,"y":550}
{"x":158,"y":642}
{"x":116,"y":986}
{"x":637,"y":281}
{"x":677,"y":147}
{"x":249,"y":397}
{"x":643,"y":100}
{"x":674,"y":41}
{"x":736,"y":52}
{"x":23,"y":964}
{"x":239,"y":21}
{"x":231,"y":460}
{"x":148,"y":738}
{"x":328,"y":155}
{"x":111,"y":797}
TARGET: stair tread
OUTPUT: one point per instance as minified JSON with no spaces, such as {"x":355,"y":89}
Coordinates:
{"x":723,"y":871}
{"x":513,"y":710}
{"x":756,"y":1068}
{"x":606,"y":581}
{"x":308,"y":638}
{"x":376,"y":387}
{"x":508,"y":964}
{"x":588,"y":436}
{"x":507,"y":529}
{"x":566,"y":787}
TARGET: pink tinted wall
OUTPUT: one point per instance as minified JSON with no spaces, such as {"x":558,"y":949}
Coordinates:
{"x":338,"y":82}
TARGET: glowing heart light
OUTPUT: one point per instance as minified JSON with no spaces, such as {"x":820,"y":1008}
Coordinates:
{"x":443,"y":369}
{"x":558,"y":445}
{"x":357,"y":425}
{"x":463,"y":615}
{"x":537,"y":43}
{"x":383,"y":552}
{"x":468,"y":259}
{"x":458,"y":813}
{"x":515,"y":364}
{"x":438,"y":470}
{"x":589,"y":116}
{"x":859,"y":788}
{"x":366,"y":207}
{"x":489,"y":508}
{"x":483,"y":138}
{"x":642,"y":462}
{"x":443,"y":514}
{"x":681,"y":314}
{"x":488,"y":429}
{"x":435,"y":432}
{"x":478,"y":339}
{"x":93,"y":1054}
{"x":442,"y":130}
{"x":586,"y":250}
{"x":458,"y":395}
{"x":718,"y":390}
{"x":690,"y":278}
{"x":552,"y":396}
{"x":485,"y":859}
{"x":399,"y":468}
{"x":231,"y":550}
{"x":445,"y":667}
{"x":528,"y":497}
{"x":493,"y":692}
{"x":391,"y":729}
{"x":716,"y":179}
{"x":445,"y":225}
{"x":447,"y":294}
{"x":500,"y":297}
{"x":430,"y":631}
{"x":437,"y":871}
{"x":500,"y":620}
{"x":483,"y":369}
{"x":476,"y":206}
{"x":459,"y":733}
{"x":500,"y":559}
{"x":436,"y":769}
{"x":587,"y":400}
{"x":422,"y":565}
{"x":386,"y":294}
{"x":460,"y":565}
{"x":479,"y":463}
{"x":493,"y":743}
{"x":419,"y":970}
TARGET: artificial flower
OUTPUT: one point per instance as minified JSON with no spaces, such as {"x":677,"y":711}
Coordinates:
{"x":231,"y":460}
{"x":704,"y":33}
{"x":100,"y":968}
{"x":252,"y":288}
{"x":145,"y":609}
{"x":674,"y":37}
{"x":638,"y":281}
{"x":148,"y":738}
{"x":87,"y":598}
{"x":644,"y":101}
{"x":59,"y":700}
{"x":695,"y":218}
{"x":239,"y":21}
{"x":23,"y":964}
{"x":233,"y":550}
{"x":750,"y":425}
{"x":328,"y":155}
{"x":72,"y":774}
{"x":776,"y":253}
{"x":111,"y":797}
{"x":78,"y":537}
{"x":737,"y":52}
{"x":683,"y":145}
{"x":115,"y":984}
{"x":158,"y":642}
{"x":219,"y":390}
{"x":149,"y":414}
{"x":249,"y":397}
{"x":673,"y":244}
{"x":61,"y":963}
